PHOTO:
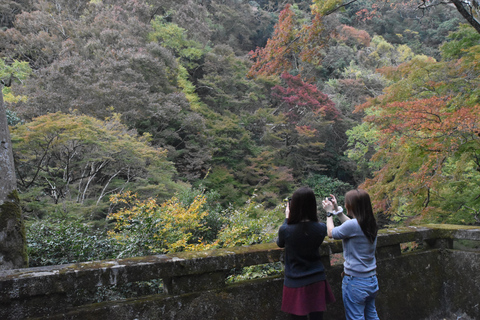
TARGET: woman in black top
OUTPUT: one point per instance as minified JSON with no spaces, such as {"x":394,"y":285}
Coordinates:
{"x":306,"y":290}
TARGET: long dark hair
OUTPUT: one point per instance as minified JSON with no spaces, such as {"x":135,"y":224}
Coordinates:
{"x":303,"y":206}
{"x":358,"y":203}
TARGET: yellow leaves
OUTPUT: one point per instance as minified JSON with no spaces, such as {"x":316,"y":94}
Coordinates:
{"x":173,"y":226}
{"x":324,"y":6}
{"x":234,"y":236}
{"x":201,"y":246}
{"x":169,"y":227}
{"x":184,"y":219}
{"x":405,"y":53}
{"x":9,"y":97}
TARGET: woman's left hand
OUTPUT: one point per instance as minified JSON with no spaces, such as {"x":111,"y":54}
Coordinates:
{"x":327,"y":205}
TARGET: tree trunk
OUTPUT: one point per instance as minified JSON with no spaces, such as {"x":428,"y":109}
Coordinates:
{"x":13,"y":249}
{"x":457,"y":3}
{"x":466,"y":14}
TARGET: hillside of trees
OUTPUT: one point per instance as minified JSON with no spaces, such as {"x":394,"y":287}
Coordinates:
{"x":152,"y":126}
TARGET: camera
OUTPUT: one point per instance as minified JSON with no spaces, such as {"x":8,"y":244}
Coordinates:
{"x":330,"y":199}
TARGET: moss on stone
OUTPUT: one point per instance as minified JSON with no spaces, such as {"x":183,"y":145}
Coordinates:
{"x":11,"y":210}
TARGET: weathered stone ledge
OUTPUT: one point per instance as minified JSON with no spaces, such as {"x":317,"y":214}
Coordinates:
{"x":46,"y":291}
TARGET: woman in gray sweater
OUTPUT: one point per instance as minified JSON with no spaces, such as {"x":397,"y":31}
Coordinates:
{"x":359,"y":237}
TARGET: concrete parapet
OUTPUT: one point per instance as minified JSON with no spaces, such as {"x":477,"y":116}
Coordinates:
{"x":413,"y":285}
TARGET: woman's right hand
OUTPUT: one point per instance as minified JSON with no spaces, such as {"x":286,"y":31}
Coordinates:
{"x":287,"y":210}
{"x":334,"y":202}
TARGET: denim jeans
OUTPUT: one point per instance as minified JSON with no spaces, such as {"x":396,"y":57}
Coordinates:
{"x":359,"y":297}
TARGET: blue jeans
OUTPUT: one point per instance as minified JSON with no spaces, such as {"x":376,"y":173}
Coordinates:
{"x":359,"y":297}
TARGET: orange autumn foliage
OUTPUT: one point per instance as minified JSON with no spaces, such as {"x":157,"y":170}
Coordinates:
{"x":290,"y":43}
{"x":415,"y":140}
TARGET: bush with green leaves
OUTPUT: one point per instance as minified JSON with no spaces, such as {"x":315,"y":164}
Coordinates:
{"x":250,"y":224}
{"x":12,"y":118}
{"x":53,"y":242}
{"x":323,"y":186}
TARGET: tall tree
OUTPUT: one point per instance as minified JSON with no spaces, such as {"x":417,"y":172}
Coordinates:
{"x":114,"y":57}
{"x":293,"y":43}
{"x":65,"y":160}
{"x":10,"y":8}
{"x":469,"y":10}
{"x":12,"y":229}
{"x":424,"y":130}
{"x":225,"y":88}
{"x":307,"y":112}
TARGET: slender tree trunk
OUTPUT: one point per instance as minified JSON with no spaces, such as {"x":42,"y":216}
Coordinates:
{"x":13,"y":250}
{"x":8,"y":181}
{"x":466,"y":14}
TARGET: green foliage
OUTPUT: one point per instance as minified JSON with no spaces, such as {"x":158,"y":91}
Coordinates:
{"x":72,"y":159}
{"x":224,"y":87}
{"x":177,"y":73}
{"x":215,"y":219}
{"x":459,"y":41}
{"x":250,"y":224}
{"x":269,"y":181}
{"x":189,"y":89}
{"x":223,"y":181}
{"x":16,"y":71}
{"x":230,"y":140}
{"x":458,"y":198}
{"x":385,"y":54}
{"x":239,"y":25}
{"x":255,"y":272}
{"x":52,"y":242}
{"x":400,"y":22}
{"x":94,"y":62}
{"x":362,"y":139}
{"x":324,"y":186}
{"x":12,"y":118}
{"x":423,"y":132}
{"x":193,"y":221}
{"x":336,"y":59}
{"x":145,"y":227}
{"x":173,"y":37}
{"x":155,"y":95}
{"x":324,"y":7}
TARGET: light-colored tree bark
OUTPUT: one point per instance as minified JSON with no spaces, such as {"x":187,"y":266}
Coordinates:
{"x":13,"y":253}
{"x":7,"y":169}
{"x":469,"y":10}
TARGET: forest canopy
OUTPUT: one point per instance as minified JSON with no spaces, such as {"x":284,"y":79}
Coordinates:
{"x":162,"y":126}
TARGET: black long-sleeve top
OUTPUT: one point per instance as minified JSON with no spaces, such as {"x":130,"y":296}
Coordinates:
{"x":302,"y":256}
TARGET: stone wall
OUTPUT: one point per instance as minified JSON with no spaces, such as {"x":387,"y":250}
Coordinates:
{"x":433,"y":280}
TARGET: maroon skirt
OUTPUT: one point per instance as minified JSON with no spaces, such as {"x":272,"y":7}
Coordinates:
{"x":304,"y":300}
